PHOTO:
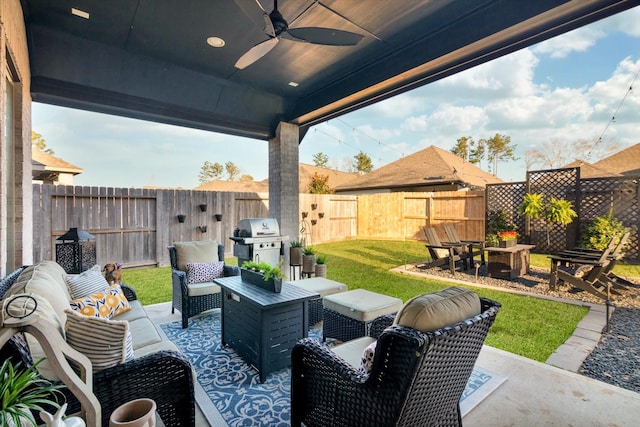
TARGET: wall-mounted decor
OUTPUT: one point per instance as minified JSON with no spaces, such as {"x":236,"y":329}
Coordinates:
{"x":181,"y":218}
{"x":202,"y":228}
{"x":314,"y":221}
{"x":320,"y":214}
{"x":218,"y":217}
{"x":203,"y":207}
{"x":314,"y":206}
{"x":305,"y":214}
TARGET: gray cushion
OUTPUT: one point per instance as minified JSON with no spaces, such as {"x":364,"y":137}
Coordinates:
{"x":430,"y":312}
{"x":200,"y":251}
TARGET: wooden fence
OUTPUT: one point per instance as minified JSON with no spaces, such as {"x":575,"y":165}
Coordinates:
{"x":134,"y":226}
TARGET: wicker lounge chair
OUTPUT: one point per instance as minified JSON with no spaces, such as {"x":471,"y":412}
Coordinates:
{"x":443,"y":254}
{"x":416,"y":378}
{"x":187,"y":302}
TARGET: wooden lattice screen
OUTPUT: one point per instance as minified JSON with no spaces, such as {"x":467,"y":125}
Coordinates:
{"x":591,"y":198}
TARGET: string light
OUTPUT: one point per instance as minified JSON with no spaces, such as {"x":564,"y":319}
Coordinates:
{"x":613,"y":117}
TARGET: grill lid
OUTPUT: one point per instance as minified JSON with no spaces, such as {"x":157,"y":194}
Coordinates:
{"x":258,"y":227}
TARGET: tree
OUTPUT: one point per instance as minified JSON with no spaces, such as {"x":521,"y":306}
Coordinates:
{"x":498,"y":148}
{"x":210,"y":171}
{"x":245,"y":178}
{"x":463,"y":147}
{"x":37,"y":141}
{"x":363,"y":162}
{"x":320,"y":159}
{"x":319,"y":184}
{"x":551,"y":154}
{"x":232,"y":171}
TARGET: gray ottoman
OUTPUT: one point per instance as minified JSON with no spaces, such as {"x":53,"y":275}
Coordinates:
{"x":348,"y":315}
{"x":321,"y":286}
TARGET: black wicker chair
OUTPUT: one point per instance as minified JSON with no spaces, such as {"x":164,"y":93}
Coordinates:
{"x":417,"y":378}
{"x":164,"y":376}
{"x":189,"y":306}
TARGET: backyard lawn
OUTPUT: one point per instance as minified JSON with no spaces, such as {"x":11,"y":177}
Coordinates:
{"x":528,"y":326}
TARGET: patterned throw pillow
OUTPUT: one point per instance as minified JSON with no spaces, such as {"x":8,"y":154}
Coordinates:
{"x":366,"y":363}
{"x":107,"y":304}
{"x":86,"y":283}
{"x":200,"y":272}
{"x":105,"y":342}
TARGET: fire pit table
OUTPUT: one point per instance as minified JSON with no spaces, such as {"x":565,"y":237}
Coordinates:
{"x":263,"y":326}
{"x":508,"y":263}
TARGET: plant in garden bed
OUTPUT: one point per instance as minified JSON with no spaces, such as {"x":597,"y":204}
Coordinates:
{"x":600,"y":231}
{"x":507,"y":235}
{"x":499,"y":222}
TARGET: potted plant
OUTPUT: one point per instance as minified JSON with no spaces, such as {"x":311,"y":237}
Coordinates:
{"x":263,"y":275}
{"x":309,"y":260}
{"x":321,"y":266}
{"x":295,"y":253}
{"x":22,"y":391}
{"x":507,"y":239}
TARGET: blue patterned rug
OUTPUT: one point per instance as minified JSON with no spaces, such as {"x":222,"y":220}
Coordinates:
{"x":234,"y":387}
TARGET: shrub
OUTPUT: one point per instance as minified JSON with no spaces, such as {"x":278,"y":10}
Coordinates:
{"x":600,"y":231}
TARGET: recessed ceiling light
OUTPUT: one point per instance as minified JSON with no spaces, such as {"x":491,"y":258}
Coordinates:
{"x":293,"y":84}
{"x":215,"y":41}
{"x":80,"y":13}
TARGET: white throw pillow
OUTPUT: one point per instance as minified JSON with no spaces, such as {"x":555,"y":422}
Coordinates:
{"x":86,"y":283}
{"x":105,"y":342}
{"x":366,"y":363}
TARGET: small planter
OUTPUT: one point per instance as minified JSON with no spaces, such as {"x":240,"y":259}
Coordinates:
{"x":321,"y":270}
{"x":295,"y":256}
{"x":308,"y":263}
{"x":257,"y":278}
{"x":136,"y":413}
{"x":507,"y":243}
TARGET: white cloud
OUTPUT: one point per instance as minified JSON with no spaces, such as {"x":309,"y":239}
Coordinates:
{"x":578,"y":40}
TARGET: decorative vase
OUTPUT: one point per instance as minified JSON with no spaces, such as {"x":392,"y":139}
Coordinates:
{"x":295,"y":256}
{"x":308,"y":263}
{"x":321,"y":270}
{"x":507,"y":243}
{"x":136,"y":413}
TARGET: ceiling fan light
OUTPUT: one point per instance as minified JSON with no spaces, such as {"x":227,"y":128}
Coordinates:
{"x":293,"y":84}
{"x":80,"y":13}
{"x":215,"y":41}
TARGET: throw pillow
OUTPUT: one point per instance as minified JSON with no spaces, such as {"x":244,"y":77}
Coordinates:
{"x":105,"y":342}
{"x":430,"y":312}
{"x":200,"y":251}
{"x":108,"y":303}
{"x":366,"y":363}
{"x":86,"y":283}
{"x":200,"y":272}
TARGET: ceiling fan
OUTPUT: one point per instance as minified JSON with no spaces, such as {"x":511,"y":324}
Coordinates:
{"x":275,"y":27}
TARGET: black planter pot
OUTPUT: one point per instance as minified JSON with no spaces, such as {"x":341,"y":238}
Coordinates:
{"x":257,"y":278}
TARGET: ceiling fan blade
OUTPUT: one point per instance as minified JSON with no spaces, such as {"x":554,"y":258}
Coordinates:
{"x":325,"y":36}
{"x":254,"y":10}
{"x":256,"y":52}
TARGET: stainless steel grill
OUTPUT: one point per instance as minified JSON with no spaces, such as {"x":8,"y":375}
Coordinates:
{"x":258,"y":239}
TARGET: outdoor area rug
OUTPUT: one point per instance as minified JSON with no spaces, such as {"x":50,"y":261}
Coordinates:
{"x":234,"y":387}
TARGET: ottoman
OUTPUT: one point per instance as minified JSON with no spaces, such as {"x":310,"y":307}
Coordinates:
{"x":321,"y":286}
{"x":348,"y":315}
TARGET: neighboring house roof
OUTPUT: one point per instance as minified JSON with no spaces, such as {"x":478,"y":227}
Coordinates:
{"x":235,"y":186}
{"x":48,"y":168}
{"x":305,"y":173}
{"x":431,"y":169}
{"x":587,"y":170}
{"x":625,"y":162}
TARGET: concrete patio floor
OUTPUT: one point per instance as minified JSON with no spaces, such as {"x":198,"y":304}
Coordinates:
{"x":534,"y":393}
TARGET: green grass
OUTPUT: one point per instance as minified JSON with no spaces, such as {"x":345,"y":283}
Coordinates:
{"x":527,"y":326}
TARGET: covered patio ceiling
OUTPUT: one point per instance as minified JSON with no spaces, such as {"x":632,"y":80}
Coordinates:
{"x":149,"y":59}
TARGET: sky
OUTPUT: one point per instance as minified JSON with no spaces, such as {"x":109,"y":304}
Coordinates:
{"x":573,"y":87}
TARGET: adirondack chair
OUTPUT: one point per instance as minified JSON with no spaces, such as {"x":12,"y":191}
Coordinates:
{"x":589,"y":275}
{"x":444,"y":253}
{"x":476,"y":247}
